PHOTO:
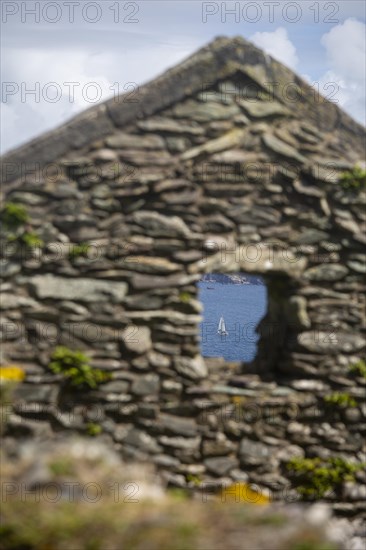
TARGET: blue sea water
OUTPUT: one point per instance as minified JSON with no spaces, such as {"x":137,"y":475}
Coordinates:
{"x":242,"y":307}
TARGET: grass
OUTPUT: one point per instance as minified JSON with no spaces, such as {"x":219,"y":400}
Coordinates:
{"x":167,"y":525}
{"x":169,"y":520}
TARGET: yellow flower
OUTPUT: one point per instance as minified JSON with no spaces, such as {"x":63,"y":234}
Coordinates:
{"x":242,"y":492}
{"x":238,"y":400}
{"x":11,"y":373}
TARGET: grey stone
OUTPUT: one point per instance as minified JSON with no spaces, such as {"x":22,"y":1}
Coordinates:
{"x":191,"y":367}
{"x":177,"y":144}
{"x":230,"y":390}
{"x":146,"y":385}
{"x":331,"y":342}
{"x":263,"y":109}
{"x":180,"y":198}
{"x":137,"y":339}
{"x":115,"y":386}
{"x":30,"y":199}
{"x":309,"y":385}
{"x":163,"y":124}
{"x":227,"y":141}
{"x":158,"y":225}
{"x":12,"y":301}
{"x":173,"y":317}
{"x":8,"y":269}
{"x":239,"y":475}
{"x":142,"y":440}
{"x":104,"y":155}
{"x":326,"y":272}
{"x":305,"y":189}
{"x":354,"y":491}
{"x":349,"y":225}
{"x":140,"y":363}
{"x":75,"y":309}
{"x":220,"y":466}
{"x":172,"y":386}
{"x":205,"y":111}
{"x":166,"y":461}
{"x":133,"y":141}
{"x":158,"y":359}
{"x":311,"y":236}
{"x":296,"y":312}
{"x":80,"y":290}
{"x":298,"y":429}
{"x":144,"y":301}
{"x":147,"y":264}
{"x":218,"y":224}
{"x":217,"y":447}
{"x":359,"y":267}
{"x":253,"y":452}
{"x":141,"y":157}
{"x":233,"y":156}
{"x":280,"y":147}
{"x":41,"y":393}
{"x":352,"y":416}
{"x":175,"y":425}
{"x":184,"y":443}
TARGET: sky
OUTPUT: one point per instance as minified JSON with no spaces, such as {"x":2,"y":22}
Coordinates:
{"x":59,"y":58}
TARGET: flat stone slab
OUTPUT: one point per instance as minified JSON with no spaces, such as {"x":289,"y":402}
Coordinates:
{"x":331,"y":342}
{"x":326,"y":272}
{"x":280,"y":147}
{"x":262,"y":109}
{"x":133,"y":141}
{"x":80,"y":290}
{"x":205,"y":112}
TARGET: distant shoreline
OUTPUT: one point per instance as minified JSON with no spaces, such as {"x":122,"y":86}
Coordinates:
{"x":236,"y":279}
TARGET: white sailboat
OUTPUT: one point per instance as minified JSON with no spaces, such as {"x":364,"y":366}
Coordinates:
{"x":222,"y":329}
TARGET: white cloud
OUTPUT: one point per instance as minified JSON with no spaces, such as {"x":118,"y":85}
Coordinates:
{"x":277,"y":44}
{"x":113,"y":72}
{"x":345,"y":49}
{"x":47,"y":72}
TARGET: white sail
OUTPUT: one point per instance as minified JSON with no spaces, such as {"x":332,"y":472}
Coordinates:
{"x":222,"y":328}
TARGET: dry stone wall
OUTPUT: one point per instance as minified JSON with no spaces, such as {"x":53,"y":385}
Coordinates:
{"x":221,"y":178}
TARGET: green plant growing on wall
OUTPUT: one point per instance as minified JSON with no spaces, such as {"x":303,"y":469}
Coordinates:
{"x":353,"y":179}
{"x":342,"y":399}
{"x":194,"y":479}
{"x":30,"y":239}
{"x":74,"y":365}
{"x":314,"y":477}
{"x":359,"y":368}
{"x":13,"y":215}
{"x":79,"y":250}
{"x":185,"y":297}
{"x":93,"y":429}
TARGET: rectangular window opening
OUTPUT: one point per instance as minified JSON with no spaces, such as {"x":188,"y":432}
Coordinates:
{"x":233,"y":305}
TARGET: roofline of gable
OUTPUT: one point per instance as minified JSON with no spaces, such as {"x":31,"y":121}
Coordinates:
{"x":220,"y":58}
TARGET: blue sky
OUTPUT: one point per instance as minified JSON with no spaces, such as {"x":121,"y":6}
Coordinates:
{"x":105,"y":45}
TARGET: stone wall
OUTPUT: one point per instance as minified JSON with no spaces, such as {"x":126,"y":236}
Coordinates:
{"x":221,"y":178}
